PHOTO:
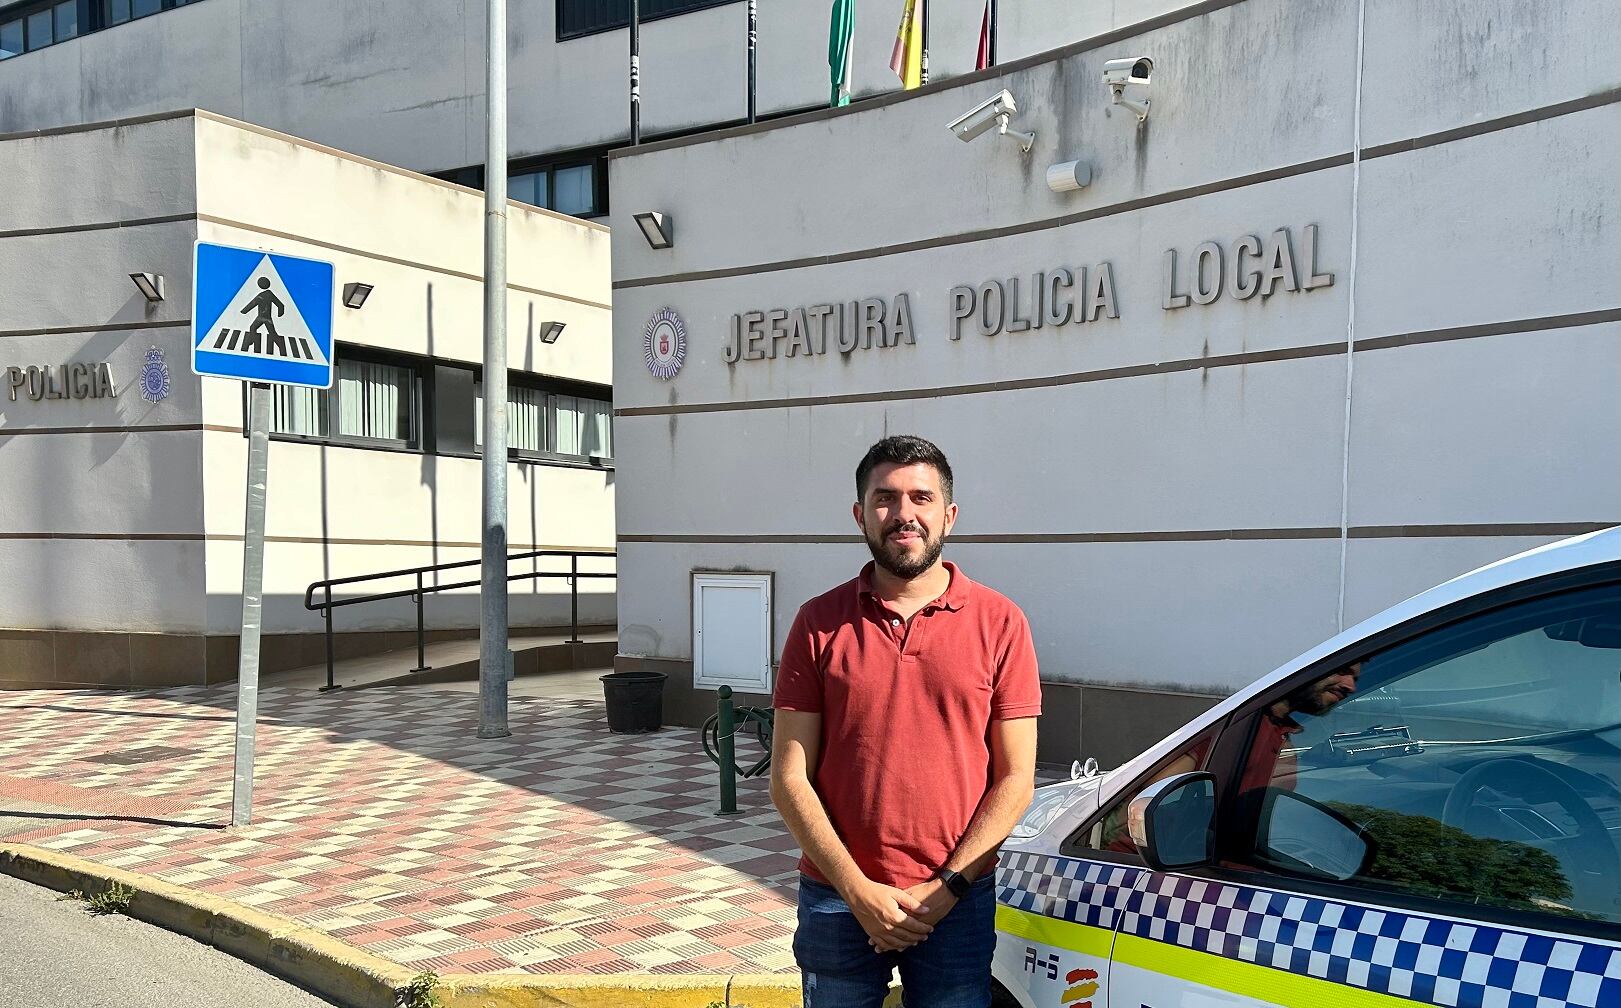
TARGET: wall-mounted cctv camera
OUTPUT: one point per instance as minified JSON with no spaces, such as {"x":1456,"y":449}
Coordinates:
{"x":1133,"y":72}
{"x":994,"y":111}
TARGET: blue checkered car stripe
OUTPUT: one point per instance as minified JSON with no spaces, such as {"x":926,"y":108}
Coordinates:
{"x":1428,"y":959}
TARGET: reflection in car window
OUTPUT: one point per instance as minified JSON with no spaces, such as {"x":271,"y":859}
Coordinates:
{"x":1109,"y":832}
{"x":1483,"y":759}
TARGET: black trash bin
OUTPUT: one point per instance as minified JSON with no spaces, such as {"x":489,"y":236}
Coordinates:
{"x":635,"y":701}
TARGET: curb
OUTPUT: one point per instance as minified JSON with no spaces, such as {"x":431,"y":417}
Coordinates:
{"x":356,"y":978}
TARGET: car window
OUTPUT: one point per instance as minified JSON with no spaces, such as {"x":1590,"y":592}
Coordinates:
{"x":1108,"y":832}
{"x":1480,"y":762}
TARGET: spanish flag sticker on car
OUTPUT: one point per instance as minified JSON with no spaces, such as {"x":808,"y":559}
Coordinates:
{"x":1083,"y":984}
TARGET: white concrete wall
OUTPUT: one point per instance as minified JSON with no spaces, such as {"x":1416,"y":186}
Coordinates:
{"x":404,"y":82}
{"x":99,"y":511}
{"x":338,"y":512}
{"x":1457,"y":444}
{"x":120,"y":514}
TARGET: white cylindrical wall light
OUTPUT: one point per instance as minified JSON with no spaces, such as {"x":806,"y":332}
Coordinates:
{"x":1069,"y":176}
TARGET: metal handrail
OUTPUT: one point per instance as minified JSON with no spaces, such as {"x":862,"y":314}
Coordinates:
{"x":327,"y":604}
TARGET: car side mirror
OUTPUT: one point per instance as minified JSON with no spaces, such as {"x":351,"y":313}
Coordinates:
{"x":1308,"y":838}
{"x":1173,"y":821}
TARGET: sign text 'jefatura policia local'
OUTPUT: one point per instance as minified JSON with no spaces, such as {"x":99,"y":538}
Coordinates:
{"x":1241,"y":269}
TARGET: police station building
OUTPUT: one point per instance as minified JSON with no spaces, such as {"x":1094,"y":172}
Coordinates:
{"x":121,"y":509}
{"x":1317,"y":306}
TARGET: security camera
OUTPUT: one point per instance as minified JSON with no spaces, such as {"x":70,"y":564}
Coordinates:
{"x":993,"y":111}
{"x":1133,"y":71}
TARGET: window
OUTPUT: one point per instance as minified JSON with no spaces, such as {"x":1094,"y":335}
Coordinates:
{"x":40,"y":32}
{"x":1482,"y":760}
{"x":1109,"y":831}
{"x":11,"y":38}
{"x":571,"y":188}
{"x":49,"y":23}
{"x":370,"y":402}
{"x":551,"y":424}
{"x":587,"y":17}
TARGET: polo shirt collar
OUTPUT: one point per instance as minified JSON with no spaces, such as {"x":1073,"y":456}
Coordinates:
{"x":955,"y":597}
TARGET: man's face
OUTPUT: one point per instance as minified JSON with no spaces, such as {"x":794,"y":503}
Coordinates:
{"x":1319,"y":696}
{"x":905,"y":518}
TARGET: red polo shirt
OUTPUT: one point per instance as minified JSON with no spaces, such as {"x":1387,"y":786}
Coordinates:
{"x":906,"y":713}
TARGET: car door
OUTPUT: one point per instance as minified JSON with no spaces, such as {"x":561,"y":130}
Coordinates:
{"x":1433,"y":819}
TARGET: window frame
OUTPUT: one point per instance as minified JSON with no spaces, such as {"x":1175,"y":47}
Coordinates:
{"x":679,"y":8}
{"x":419,"y":418}
{"x":90,"y":16}
{"x":549,"y":387}
{"x":1237,"y":734}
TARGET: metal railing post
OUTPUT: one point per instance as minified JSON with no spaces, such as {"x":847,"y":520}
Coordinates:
{"x":422,"y":657}
{"x":726,"y":742}
{"x":574,"y":598}
{"x":330,"y":684}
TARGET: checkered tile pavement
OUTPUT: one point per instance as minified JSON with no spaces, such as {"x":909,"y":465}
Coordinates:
{"x":380,"y":819}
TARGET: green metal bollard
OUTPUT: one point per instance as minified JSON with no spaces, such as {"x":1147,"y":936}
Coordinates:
{"x":726,"y":742}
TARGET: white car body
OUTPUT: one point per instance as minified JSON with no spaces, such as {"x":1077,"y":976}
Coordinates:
{"x":1044,"y":959}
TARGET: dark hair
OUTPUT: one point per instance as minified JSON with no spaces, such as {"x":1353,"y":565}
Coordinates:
{"x":903,"y":449}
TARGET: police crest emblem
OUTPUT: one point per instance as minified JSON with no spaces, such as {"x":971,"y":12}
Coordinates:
{"x":155,"y":377}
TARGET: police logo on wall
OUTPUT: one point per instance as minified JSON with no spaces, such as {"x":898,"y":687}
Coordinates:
{"x":664,"y":344}
{"x":155,"y":377}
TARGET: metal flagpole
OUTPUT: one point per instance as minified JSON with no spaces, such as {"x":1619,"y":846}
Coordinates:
{"x":754,"y":39}
{"x":253,"y":583}
{"x":494,"y":657}
{"x":635,"y":72}
{"x":923,"y":64}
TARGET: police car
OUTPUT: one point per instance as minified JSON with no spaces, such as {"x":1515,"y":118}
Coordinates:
{"x":1426,"y":808}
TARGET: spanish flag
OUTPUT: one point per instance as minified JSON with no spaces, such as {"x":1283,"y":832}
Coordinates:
{"x":907,"y":58}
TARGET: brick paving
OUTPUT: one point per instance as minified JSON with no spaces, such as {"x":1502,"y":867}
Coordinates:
{"x":380,"y":819}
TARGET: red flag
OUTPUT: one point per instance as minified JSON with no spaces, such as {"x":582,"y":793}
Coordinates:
{"x":982,"y":61}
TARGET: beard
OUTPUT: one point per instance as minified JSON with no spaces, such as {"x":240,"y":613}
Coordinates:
{"x":895,"y":558}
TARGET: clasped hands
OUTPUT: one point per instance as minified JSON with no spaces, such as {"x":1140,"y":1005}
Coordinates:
{"x":896,"y":919}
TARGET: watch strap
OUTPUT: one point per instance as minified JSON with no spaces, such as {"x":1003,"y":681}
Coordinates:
{"x":958,"y":885}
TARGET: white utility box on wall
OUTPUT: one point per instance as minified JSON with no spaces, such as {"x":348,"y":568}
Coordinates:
{"x":731,"y":631}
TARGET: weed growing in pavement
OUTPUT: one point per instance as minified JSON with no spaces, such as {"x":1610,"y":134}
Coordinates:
{"x":419,"y":993}
{"x":114,"y":899}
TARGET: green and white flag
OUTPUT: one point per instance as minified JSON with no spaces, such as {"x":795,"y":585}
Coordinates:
{"x":839,"y":48}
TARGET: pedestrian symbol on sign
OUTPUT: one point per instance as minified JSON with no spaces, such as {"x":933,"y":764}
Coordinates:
{"x":261,"y":316}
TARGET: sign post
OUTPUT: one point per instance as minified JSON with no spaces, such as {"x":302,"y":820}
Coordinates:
{"x":253,"y":578}
{"x":264,"y":319}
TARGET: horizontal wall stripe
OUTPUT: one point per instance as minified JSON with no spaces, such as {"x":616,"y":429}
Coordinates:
{"x":1592,"y":101}
{"x":101,"y":328}
{"x":378,"y":256}
{"x":1143,"y":370}
{"x":1010,"y":385}
{"x":297,"y":540}
{"x":1561,"y":529}
{"x":132,"y":222}
{"x":51,"y":131}
{"x":1509,"y":328}
{"x":1486,"y":531}
{"x":988,"y":234}
{"x":130,"y":429}
{"x":1177,"y":195}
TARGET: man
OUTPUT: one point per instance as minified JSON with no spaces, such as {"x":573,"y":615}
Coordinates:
{"x":904,"y":752}
{"x":1269,"y":765}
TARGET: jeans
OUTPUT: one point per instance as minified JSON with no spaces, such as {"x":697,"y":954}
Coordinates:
{"x":951,"y":969}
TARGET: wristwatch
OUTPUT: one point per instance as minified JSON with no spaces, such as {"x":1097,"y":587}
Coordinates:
{"x":958,"y":885}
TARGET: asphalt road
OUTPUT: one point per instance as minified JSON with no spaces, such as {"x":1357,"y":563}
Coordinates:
{"x":54,"y":954}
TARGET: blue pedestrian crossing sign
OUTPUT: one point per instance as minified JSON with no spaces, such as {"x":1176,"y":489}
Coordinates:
{"x":261,"y":316}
